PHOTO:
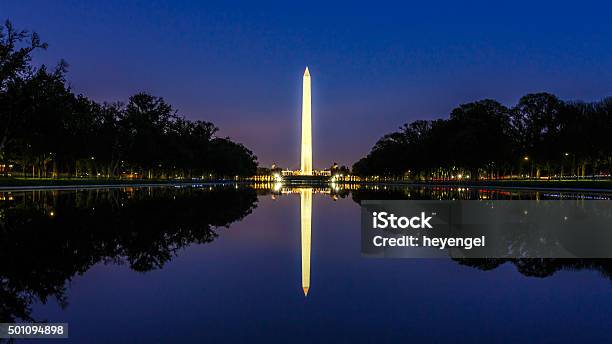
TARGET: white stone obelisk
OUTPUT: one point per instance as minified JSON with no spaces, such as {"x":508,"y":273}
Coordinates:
{"x":306,"y":163}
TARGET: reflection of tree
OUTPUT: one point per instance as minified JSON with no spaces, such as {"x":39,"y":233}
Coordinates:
{"x":47,"y":237}
{"x":543,"y":267}
{"x":403,"y":192}
{"x":528,"y":267}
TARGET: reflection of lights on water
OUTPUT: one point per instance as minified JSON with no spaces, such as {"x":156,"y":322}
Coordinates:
{"x":306,"y":225}
{"x":577,"y":196}
{"x":334,"y":186}
{"x":278,"y":186}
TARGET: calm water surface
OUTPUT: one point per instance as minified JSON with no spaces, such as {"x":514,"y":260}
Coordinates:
{"x":227,"y":263}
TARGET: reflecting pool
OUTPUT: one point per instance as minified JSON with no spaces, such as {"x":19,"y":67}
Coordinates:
{"x":239,"y":263}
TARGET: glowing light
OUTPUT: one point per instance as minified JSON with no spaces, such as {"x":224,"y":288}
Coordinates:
{"x":334,"y":186}
{"x":526,"y":158}
{"x":277,"y":187}
{"x":306,"y":159}
{"x":306,"y":223}
{"x":277,"y":177}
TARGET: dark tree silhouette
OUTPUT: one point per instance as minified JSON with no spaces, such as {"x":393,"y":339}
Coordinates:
{"x":16,"y":48}
{"x":143,"y":228}
{"x":543,"y":267}
{"x":48,"y":131}
{"x":540,"y":136}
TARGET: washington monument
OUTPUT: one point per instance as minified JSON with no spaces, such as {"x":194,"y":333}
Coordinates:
{"x":306,"y":170}
{"x":306,"y":163}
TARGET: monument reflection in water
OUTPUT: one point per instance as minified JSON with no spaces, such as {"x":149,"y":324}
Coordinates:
{"x":95,"y":237}
{"x":547,"y":267}
{"x":305,"y":224}
{"x":305,"y":193}
{"x":306,"y":232}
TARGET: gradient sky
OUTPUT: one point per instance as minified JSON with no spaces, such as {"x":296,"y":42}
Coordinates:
{"x":373,"y":68}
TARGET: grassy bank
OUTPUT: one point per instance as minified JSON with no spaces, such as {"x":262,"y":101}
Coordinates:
{"x":6,"y":182}
{"x":535,"y":184}
{"x":19,"y":182}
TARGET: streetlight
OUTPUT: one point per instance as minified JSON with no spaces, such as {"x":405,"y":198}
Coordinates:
{"x":566,"y":154}
{"x":526,"y":158}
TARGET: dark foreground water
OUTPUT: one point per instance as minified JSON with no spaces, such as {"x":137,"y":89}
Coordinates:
{"x":226,"y":264}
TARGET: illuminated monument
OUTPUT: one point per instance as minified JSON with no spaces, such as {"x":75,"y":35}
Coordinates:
{"x":306,"y":174}
{"x":306,"y":163}
{"x":306,"y":170}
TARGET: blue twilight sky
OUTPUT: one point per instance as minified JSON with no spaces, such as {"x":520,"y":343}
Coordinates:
{"x":374,"y":65}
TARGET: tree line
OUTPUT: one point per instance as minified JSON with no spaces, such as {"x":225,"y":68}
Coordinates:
{"x":540,"y":137}
{"x":46,"y":130}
